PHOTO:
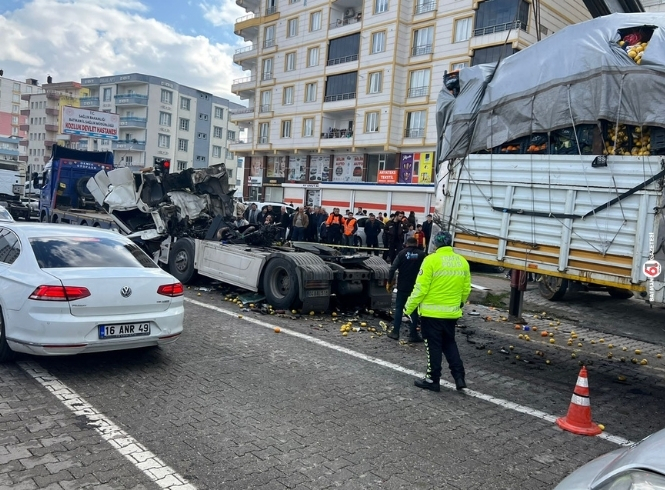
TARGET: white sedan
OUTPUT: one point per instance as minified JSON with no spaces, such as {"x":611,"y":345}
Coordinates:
{"x":72,"y":289}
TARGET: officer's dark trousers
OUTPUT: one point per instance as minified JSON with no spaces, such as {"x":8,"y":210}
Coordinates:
{"x":439,"y":335}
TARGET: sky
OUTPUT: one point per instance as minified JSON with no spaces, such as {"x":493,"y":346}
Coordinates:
{"x":190,"y":42}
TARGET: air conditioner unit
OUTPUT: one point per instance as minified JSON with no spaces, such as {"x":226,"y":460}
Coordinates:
{"x":348,"y":13}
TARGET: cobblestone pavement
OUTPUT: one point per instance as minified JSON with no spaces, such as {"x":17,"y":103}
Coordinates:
{"x":234,"y":405}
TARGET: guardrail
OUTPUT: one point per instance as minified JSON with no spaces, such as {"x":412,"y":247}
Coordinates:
{"x":246,"y":17}
{"x":418,"y":91}
{"x":421,"y":50}
{"x":246,"y":49}
{"x":414,"y":133}
{"x":516,"y":24}
{"x":333,"y":98}
{"x":425,"y":7}
{"x":244,"y":110}
{"x":244,"y":80}
{"x":343,"y":59}
{"x":345,"y":22}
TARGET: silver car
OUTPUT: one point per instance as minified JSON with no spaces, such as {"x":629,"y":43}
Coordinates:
{"x":641,"y":466}
{"x":361,"y":239}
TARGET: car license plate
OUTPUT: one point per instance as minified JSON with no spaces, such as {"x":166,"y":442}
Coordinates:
{"x":316,"y":293}
{"x":123,"y":330}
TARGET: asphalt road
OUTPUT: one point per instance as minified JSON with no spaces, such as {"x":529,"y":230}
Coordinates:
{"x":235,"y":405}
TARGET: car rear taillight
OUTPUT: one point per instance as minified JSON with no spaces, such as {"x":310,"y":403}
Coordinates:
{"x":171,"y":290}
{"x":59,"y":293}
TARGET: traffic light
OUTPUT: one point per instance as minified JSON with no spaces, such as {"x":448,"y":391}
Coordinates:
{"x":162,"y":165}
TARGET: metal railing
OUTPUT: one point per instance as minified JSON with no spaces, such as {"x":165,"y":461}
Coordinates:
{"x":343,"y":59}
{"x":337,"y":133}
{"x":238,"y":81}
{"x":346,"y":96}
{"x":516,"y":24}
{"x":244,"y":110}
{"x":245,"y":17}
{"x":268,"y":43}
{"x":423,"y":8}
{"x":421,"y":50}
{"x":418,"y":91}
{"x":246,"y":49}
{"x":414,"y":133}
{"x":265,"y":108}
{"x":266,"y":76}
{"x":263,"y":139}
{"x":271,"y":10}
{"x":347,"y":21}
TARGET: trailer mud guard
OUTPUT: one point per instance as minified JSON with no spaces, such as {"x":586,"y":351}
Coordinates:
{"x":314,"y":280}
{"x":378,"y":297}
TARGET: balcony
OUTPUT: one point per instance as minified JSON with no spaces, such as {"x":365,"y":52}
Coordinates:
{"x":24,"y":127}
{"x":133,"y":145}
{"x":414,"y":133}
{"x":127,"y":100}
{"x":49,"y":143}
{"x":52,"y":112}
{"x":507,"y":26}
{"x":249,"y":5}
{"x":265,"y":108}
{"x":418,"y":91}
{"x":133,"y":122}
{"x":266,"y":76}
{"x":263,"y":140}
{"x":346,"y":21}
{"x":23,"y":158}
{"x":53,"y":128}
{"x":244,"y":87}
{"x":423,"y":8}
{"x":89,"y":101}
{"x":248,"y":25}
{"x":26,"y":112}
{"x":343,"y":59}
{"x":23,"y":142}
{"x":337,"y":97}
{"x":245,"y":54}
{"x":9,"y":152}
{"x":421,"y":50}
{"x":268,"y":43}
{"x":337,"y":133}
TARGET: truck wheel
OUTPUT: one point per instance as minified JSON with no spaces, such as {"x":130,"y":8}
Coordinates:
{"x":43,"y":218}
{"x":81,"y":187}
{"x":181,"y":260}
{"x":552,"y":288}
{"x":617,"y":293}
{"x":54,"y":218}
{"x":280,"y":283}
{"x":6,"y":353}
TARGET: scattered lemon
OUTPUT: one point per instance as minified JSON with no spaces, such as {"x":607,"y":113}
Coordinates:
{"x":363,"y":324}
{"x":579,"y":344}
{"x":638,"y":351}
{"x":609,"y":355}
{"x":311,"y":313}
{"x":573,"y":355}
{"x":633,"y":360}
{"x":251,"y":305}
{"x":624,"y":348}
{"x":489,"y":352}
{"x":547,"y":361}
{"x":644,"y":362}
{"x":334,"y":313}
{"x":610,"y":346}
{"x":601,"y":426}
{"x":552,"y":341}
{"x":623,"y":359}
{"x":520,"y":336}
{"x":593,"y":341}
{"x":277,"y":330}
{"x":551,"y":334}
{"x":601,"y":340}
{"x":345,"y":334}
{"x":535,"y":329}
{"x":659,"y":356}
{"x":622,"y":378}
{"x":517,"y":357}
{"x":511,"y":347}
{"x":198,"y":294}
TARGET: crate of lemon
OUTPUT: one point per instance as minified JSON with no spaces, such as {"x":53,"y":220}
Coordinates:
{"x":635,"y":51}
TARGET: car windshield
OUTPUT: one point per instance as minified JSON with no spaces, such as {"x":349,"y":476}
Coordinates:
{"x":4,"y":215}
{"x":66,"y":252}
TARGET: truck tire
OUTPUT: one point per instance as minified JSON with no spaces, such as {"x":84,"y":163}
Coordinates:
{"x":181,"y":260}
{"x":552,"y":288}
{"x":81,"y":187}
{"x":280,"y":283}
{"x":6,"y":354}
{"x":54,"y":218}
{"x":43,"y":218}
{"x":618,"y":293}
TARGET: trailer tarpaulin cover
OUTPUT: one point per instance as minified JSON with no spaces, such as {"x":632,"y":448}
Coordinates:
{"x":579,"y":75}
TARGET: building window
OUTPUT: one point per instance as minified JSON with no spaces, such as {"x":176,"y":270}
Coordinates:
{"x":182,"y":144}
{"x":184,"y":124}
{"x":15,"y":108}
{"x":290,"y":62}
{"x":378,"y":42}
{"x":16,"y":98}
{"x":372,"y":122}
{"x":315,"y":21}
{"x":167,"y":97}
{"x":107,"y":95}
{"x":264,"y":132}
{"x":310,"y":92}
{"x":287,"y":97}
{"x":312,"y":56}
{"x":184,"y":103}
{"x":501,"y":15}
{"x":375,"y":82}
{"x":419,"y":83}
{"x":216,"y":151}
{"x":200,"y":158}
{"x":271,"y":7}
{"x":17,"y":87}
{"x":380,"y":6}
{"x":266,"y":101}
{"x":230,"y":156}
{"x":491,"y":54}
{"x":217,"y":132}
{"x":164,"y":119}
{"x":423,"y":6}
{"x":219,"y":113}
{"x":422,"y":41}
{"x":292,"y":28}
{"x":415,"y":124}
{"x":463,"y":29}
{"x":308,"y":127}
{"x":181,"y":165}
{"x":458,"y":66}
{"x":202,"y":136}
{"x":269,"y":36}
{"x":164,"y":141}
{"x":230,"y":135}
{"x":286,"y":129}
{"x":14,"y":119}
{"x":267,"y":69}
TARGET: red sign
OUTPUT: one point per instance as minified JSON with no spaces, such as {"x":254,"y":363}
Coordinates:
{"x":652,"y":269}
{"x":387,"y":176}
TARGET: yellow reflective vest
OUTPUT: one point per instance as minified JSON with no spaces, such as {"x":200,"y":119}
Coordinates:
{"x":443,"y":284}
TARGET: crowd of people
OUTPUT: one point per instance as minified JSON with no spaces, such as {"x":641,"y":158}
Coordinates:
{"x":315,"y":224}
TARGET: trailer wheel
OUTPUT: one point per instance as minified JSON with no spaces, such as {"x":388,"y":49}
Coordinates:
{"x":618,"y":293}
{"x":181,"y":260}
{"x":43,"y":218}
{"x":280,"y":283}
{"x":83,"y":223}
{"x":54,"y":219}
{"x":6,"y":354}
{"x":552,"y":288}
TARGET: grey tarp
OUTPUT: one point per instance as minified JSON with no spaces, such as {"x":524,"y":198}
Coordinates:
{"x":579,"y":75}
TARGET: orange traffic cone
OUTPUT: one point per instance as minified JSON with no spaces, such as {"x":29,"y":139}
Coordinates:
{"x":578,"y":420}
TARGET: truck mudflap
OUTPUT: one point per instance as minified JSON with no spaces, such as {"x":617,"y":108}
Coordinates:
{"x":378,"y":297}
{"x":314,"y":280}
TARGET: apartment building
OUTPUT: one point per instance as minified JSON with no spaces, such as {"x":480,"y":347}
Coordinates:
{"x":343,"y":93}
{"x":160,"y":118}
{"x":12,"y":105}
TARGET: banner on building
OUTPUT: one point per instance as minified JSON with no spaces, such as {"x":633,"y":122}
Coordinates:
{"x":387,"y":176}
{"x":426,"y":168}
{"x":256,"y":168}
{"x":319,"y":168}
{"x":93,"y":124}
{"x":348,"y":168}
{"x":297,"y":164}
{"x":276,"y":168}
{"x":406,"y":168}
{"x":416,"y":168}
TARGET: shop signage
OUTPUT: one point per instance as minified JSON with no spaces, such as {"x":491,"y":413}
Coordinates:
{"x":348,"y":168}
{"x":416,"y":168}
{"x":387,"y":176}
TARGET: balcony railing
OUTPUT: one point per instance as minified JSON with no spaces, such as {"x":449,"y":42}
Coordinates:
{"x":337,"y":133}
{"x":128,"y":145}
{"x":423,"y":8}
{"x":418,"y":91}
{"x":268,"y":43}
{"x":266,"y":76}
{"x":271,"y":10}
{"x":263,"y":140}
{"x":53,"y":128}
{"x":131,"y":99}
{"x":345,"y":22}
{"x":265,"y":108}
{"x":421,"y":50}
{"x":245,"y":17}
{"x":238,"y":81}
{"x":414,"y":133}
{"x":89,"y":101}
{"x":333,"y":98}
{"x":516,"y":24}
{"x":136,"y":122}
{"x":246,"y":49}
{"x":244,"y":110}
{"x":343,"y":59}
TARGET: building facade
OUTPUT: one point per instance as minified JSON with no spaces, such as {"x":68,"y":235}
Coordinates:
{"x":342,"y":95}
{"x":12,"y":105}
{"x":162,"y":119}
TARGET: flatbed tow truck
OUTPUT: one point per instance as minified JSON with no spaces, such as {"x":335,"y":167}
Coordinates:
{"x":184,"y":221}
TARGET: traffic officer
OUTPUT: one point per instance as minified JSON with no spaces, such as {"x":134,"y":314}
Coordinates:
{"x":442,"y":287}
{"x":407,"y":263}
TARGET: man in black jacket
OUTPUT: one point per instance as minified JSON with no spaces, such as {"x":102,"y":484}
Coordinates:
{"x":427,"y":230}
{"x":408,"y":263}
{"x":372,"y":229}
{"x":395,"y":231}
